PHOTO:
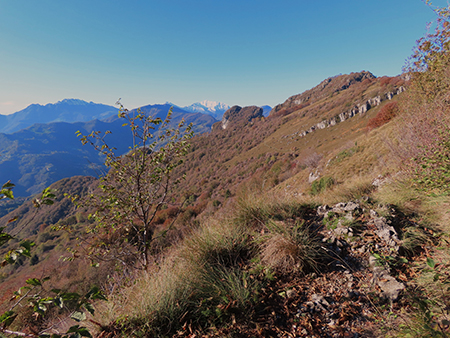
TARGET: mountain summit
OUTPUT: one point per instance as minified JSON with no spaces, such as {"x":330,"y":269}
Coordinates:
{"x":213,"y":108}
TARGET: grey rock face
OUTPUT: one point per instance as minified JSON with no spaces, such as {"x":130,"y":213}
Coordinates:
{"x":313,"y":176}
{"x":390,"y":287}
{"x":237,"y":114}
{"x":386,"y":232}
{"x":360,"y":109}
{"x":363,"y":108}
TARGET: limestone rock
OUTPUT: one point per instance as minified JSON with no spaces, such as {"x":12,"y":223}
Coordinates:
{"x":389,"y":286}
{"x":313,"y":176}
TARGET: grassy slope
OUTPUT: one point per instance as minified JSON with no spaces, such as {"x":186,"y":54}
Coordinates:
{"x":349,"y":154}
{"x":257,"y":161}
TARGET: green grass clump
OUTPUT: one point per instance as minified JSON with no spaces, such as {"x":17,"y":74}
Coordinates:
{"x":344,"y":154}
{"x":320,"y":185}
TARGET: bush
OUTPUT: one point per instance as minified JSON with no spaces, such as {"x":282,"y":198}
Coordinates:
{"x":424,"y":127}
{"x":386,"y":113}
{"x":135,"y":188}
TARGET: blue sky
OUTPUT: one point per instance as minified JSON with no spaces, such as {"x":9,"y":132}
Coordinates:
{"x":243,"y":52}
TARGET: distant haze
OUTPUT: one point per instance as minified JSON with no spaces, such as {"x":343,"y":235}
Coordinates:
{"x":239,"y":52}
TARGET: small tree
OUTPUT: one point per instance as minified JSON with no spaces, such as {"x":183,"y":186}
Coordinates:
{"x":136,"y":186}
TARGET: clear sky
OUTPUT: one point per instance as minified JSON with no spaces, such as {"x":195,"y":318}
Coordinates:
{"x":245,"y":52}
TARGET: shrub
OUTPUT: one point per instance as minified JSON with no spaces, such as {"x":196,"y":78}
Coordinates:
{"x":424,"y":127}
{"x":312,"y":160}
{"x":135,"y":188}
{"x":386,"y":113}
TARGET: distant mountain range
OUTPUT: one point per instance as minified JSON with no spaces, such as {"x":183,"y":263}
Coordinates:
{"x":213,"y":108}
{"x":41,"y":154}
{"x":75,"y":110}
{"x":38,"y":145}
{"x":68,"y":110}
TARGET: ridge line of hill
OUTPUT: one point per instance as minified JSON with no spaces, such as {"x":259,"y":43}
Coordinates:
{"x":359,"y":109}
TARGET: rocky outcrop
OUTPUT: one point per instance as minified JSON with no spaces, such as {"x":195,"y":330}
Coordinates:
{"x":325,"y":88}
{"x":389,"y":286}
{"x":237,"y":114}
{"x":362,"y":108}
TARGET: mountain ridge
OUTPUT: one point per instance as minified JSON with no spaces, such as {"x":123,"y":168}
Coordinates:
{"x":66,"y":110}
{"x":43,"y":153}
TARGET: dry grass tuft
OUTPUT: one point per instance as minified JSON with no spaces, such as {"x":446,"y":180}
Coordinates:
{"x":291,"y":249}
{"x":281,"y":253}
{"x":190,"y":284}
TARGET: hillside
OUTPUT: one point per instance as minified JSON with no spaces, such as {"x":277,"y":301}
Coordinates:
{"x":299,"y":223}
{"x":250,"y":145}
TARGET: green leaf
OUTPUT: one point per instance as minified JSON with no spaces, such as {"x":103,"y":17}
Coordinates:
{"x":33,"y":282}
{"x":40,"y":308}
{"x":89,"y":307}
{"x":8,"y":193}
{"x":82,"y":331}
{"x":70,"y":296}
{"x":27,"y":245}
{"x":4,"y":237}
{"x":95,"y":293}
{"x":7,"y":318}
{"x":431,"y":263}
{"x":8,"y":185}
{"x":78,"y":316}
{"x":59,"y":302}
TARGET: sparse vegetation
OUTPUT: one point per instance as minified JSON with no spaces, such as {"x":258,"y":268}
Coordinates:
{"x":321,"y":185}
{"x":254,"y":249}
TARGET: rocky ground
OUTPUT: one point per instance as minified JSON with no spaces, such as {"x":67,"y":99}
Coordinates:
{"x":363,"y":281}
{"x":359,"y":290}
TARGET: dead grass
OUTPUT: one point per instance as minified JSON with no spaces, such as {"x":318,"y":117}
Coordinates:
{"x":189,"y":285}
{"x":351,"y":190}
{"x":291,"y":248}
{"x":256,"y":210}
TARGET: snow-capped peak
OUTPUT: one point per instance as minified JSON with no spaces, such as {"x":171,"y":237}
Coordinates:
{"x":213,"y":108}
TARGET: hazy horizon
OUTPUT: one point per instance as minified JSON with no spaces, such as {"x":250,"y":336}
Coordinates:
{"x":238,"y":53}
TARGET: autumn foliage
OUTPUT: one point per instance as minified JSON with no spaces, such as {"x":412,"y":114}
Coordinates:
{"x":387,"y":113}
